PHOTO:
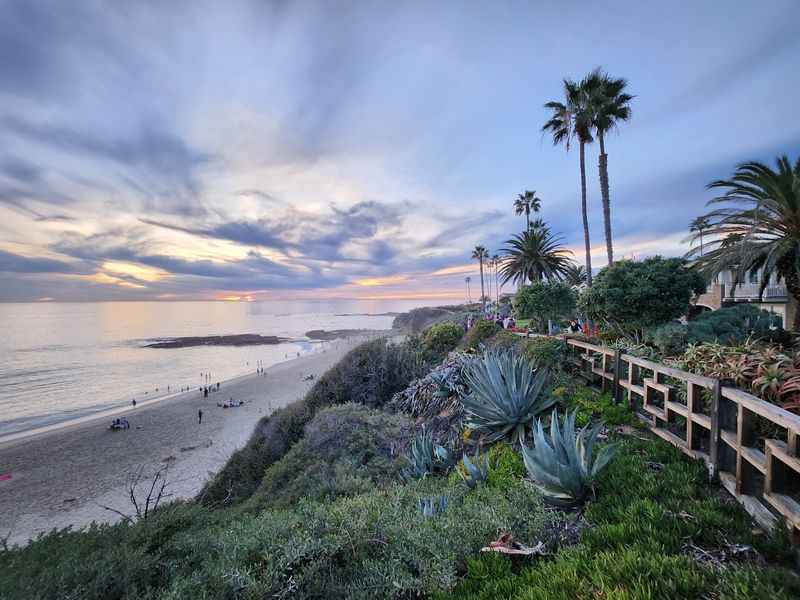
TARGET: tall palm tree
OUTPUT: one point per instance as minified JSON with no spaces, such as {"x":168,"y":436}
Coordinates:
{"x":699,"y":225}
{"x":467,"y":279}
{"x":496,"y":265}
{"x":608,"y":105}
{"x":572,"y":119}
{"x":759,"y":229}
{"x":480,"y":254}
{"x":534,"y":255}
{"x":575,"y":275}
{"x":527,"y":203}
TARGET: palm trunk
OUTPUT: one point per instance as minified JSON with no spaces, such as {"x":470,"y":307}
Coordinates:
{"x":792,"y":279}
{"x":528,"y":218}
{"x":603,"y":164}
{"x":483,"y":296}
{"x":585,"y":216}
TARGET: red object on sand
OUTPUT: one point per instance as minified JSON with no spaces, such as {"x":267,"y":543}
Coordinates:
{"x":5,"y":476}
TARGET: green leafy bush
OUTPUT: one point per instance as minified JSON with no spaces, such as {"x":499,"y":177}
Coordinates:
{"x":479,"y":333}
{"x":370,"y":374}
{"x":505,"y":394}
{"x":345,"y":450}
{"x":634,"y":295}
{"x":670,"y":338}
{"x":442,"y":337}
{"x":591,"y":405}
{"x":545,"y":300}
{"x":374,"y":545}
{"x":504,"y":340}
{"x":546,"y":352}
{"x":735,"y":324}
{"x":505,"y":466}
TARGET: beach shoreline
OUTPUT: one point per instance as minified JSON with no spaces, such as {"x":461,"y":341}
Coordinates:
{"x":67,"y":474}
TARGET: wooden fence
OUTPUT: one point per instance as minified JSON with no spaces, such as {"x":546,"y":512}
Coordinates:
{"x":751,"y":445}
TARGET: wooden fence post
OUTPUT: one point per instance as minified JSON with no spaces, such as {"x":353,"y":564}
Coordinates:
{"x":617,"y":367}
{"x":713,"y":451}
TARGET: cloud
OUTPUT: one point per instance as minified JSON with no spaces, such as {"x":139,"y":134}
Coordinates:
{"x":15,"y":263}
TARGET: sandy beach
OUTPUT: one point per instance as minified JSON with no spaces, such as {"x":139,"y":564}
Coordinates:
{"x":67,"y":475}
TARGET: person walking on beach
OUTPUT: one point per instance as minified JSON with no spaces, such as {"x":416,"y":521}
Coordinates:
{"x":200,"y":416}
{"x":134,"y":403}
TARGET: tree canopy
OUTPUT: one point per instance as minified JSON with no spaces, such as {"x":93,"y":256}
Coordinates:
{"x":632,"y":296}
{"x":545,"y":300}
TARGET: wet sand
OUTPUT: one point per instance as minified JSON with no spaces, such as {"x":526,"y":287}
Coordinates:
{"x":65,"y":476}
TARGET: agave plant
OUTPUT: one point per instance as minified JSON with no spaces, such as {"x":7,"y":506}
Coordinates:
{"x":505,"y":395}
{"x":564,"y":465}
{"x":425,"y":456}
{"x":476,"y":469}
{"x":430,"y":507}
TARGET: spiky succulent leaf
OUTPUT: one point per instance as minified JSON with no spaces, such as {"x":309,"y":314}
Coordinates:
{"x":563,"y":465}
{"x":505,"y":395}
{"x":476,"y":469}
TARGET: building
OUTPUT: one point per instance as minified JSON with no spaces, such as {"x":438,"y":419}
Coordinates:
{"x":775,"y":299}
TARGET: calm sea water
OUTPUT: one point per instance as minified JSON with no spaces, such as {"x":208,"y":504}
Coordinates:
{"x":60,"y":361}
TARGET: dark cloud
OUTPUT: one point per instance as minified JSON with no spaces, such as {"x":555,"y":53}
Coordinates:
{"x":159,"y":165}
{"x":14,"y":263}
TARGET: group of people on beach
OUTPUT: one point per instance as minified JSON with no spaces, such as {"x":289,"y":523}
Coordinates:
{"x":120,"y":423}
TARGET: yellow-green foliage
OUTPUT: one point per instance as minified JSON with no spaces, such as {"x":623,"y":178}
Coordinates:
{"x":505,"y":466}
{"x":545,"y":352}
{"x":442,"y":337}
{"x":479,"y":333}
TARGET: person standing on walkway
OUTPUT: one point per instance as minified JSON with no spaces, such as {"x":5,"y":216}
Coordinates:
{"x":200,"y":416}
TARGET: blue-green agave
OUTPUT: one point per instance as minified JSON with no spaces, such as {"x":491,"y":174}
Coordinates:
{"x":425,"y":456}
{"x":564,"y":465}
{"x":505,"y":395}
{"x":430,"y":507}
{"x":476,"y":469}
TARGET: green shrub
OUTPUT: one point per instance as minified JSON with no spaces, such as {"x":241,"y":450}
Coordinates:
{"x":635,"y":548}
{"x":505,"y":466}
{"x":442,"y":337}
{"x":545,"y":352}
{"x":370,"y":374}
{"x":504,"y":340}
{"x":479,"y":333}
{"x":545,"y":300}
{"x":345,"y":450}
{"x":592,"y":405}
{"x":734,"y":324}
{"x":374,"y":545}
{"x":670,"y":338}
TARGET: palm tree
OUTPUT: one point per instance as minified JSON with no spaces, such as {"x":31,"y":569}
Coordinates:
{"x":534,"y":255}
{"x":496,"y":264}
{"x":575,"y":275}
{"x":571,"y":119}
{"x":527,"y":203}
{"x":699,"y":225}
{"x":467,"y":279}
{"x":759,"y":229}
{"x":608,"y":105}
{"x":480,"y":254}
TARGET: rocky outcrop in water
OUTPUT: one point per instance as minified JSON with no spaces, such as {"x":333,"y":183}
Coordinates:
{"x":242,"y":339}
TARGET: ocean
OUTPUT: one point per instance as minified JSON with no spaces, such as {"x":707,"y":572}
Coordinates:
{"x":62,"y":361}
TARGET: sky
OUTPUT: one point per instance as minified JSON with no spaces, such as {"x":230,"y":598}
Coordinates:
{"x":278,"y":150}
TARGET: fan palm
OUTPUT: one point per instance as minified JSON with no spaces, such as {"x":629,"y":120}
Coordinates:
{"x":535,"y":255}
{"x":496,"y":265}
{"x":760,"y":231}
{"x":480,"y":254}
{"x":608,"y":104}
{"x":699,"y":225}
{"x":575,"y":275}
{"x":526,"y":203}
{"x":570,"y":120}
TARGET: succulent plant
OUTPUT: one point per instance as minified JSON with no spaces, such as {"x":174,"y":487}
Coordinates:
{"x":505,"y":395}
{"x":475,"y":470}
{"x":564,"y":465}
{"x":430,"y":507}
{"x":425,"y":456}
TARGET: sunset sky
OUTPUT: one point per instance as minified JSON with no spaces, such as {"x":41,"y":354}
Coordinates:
{"x":160,"y":150}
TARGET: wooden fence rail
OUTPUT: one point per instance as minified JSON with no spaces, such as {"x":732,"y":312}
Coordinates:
{"x":749,"y":444}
